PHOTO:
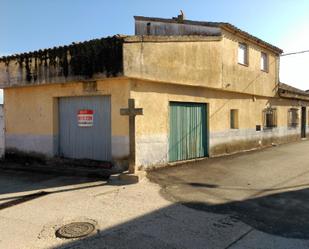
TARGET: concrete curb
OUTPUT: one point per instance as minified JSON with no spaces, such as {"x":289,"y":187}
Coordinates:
{"x":127,"y":178}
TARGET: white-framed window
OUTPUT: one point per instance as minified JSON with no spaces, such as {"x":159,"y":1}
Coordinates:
{"x":243,"y":53}
{"x":234,"y":123}
{"x":293,"y":118}
{"x":264,"y":62}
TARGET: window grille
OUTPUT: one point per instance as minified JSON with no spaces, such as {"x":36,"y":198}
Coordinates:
{"x":293,"y":118}
{"x":270,"y":118}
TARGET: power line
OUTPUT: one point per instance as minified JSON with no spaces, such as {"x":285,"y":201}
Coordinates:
{"x":299,"y":52}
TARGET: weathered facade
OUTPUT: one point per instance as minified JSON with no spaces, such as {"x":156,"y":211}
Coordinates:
{"x":197,"y":99}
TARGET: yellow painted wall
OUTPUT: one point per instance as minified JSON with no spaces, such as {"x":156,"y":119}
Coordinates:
{"x":33,"y":109}
{"x":190,"y":63}
{"x":248,"y":79}
{"x":154,"y":98}
{"x":204,"y":63}
{"x":152,"y":130}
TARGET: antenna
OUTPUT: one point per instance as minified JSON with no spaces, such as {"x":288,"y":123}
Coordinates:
{"x":181,"y":17}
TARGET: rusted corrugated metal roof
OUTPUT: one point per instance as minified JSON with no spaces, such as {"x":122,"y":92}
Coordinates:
{"x":223,"y":25}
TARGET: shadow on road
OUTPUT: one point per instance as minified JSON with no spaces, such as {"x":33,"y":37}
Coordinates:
{"x":285,"y":215}
{"x":12,"y":182}
{"x":19,"y":187}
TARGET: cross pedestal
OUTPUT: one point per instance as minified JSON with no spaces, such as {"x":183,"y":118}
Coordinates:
{"x":131,"y":112}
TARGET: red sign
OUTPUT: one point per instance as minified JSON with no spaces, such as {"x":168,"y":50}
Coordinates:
{"x":85,"y":118}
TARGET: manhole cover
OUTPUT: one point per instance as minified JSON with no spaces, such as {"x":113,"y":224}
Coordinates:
{"x":75,"y":230}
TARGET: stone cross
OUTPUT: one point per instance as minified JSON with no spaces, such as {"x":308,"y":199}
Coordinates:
{"x":131,"y":112}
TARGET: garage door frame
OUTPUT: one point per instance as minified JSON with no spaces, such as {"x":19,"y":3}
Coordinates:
{"x":106,"y":99}
{"x":205,"y":131}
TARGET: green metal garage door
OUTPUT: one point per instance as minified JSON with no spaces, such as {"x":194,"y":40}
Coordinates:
{"x":188,"y":131}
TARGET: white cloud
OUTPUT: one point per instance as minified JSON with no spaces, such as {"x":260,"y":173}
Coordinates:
{"x":294,"y":69}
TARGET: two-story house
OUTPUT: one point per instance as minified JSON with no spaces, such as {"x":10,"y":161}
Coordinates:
{"x":206,"y":89}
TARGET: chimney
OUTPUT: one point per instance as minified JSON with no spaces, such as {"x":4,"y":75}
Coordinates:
{"x":180,"y":18}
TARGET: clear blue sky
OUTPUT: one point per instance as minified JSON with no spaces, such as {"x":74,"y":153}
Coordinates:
{"x":33,"y":24}
{"x":28,"y":25}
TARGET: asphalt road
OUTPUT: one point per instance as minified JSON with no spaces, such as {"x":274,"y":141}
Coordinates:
{"x":268,"y":190}
{"x":257,"y":200}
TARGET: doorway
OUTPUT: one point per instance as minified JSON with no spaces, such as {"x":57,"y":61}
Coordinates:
{"x":188,"y":131}
{"x":303,"y":121}
{"x":85,"y":127}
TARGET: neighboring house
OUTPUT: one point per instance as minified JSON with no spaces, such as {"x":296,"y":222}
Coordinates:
{"x":206,"y":89}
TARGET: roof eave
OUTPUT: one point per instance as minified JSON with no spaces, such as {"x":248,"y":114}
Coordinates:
{"x":287,"y":91}
{"x":231,"y":28}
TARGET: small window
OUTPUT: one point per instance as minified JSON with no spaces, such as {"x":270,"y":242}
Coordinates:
{"x":234,"y":119}
{"x":270,"y":118}
{"x":264,"y":62}
{"x":243,"y":54}
{"x":293,"y":118}
{"x":148,"y":28}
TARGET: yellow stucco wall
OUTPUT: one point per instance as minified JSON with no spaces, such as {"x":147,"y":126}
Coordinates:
{"x":190,"y":63}
{"x":32,"y":111}
{"x":153,"y":126}
{"x":154,"y":98}
{"x":32,"y":114}
{"x":157,"y":72}
{"x":28,"y":109}
{"x":250,"y":78}
{"x":207,"y":63}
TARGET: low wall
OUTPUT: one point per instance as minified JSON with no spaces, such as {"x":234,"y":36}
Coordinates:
{"x":152,"y":151}
{"x":232,"y":141}
{"x":1,"y":132}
